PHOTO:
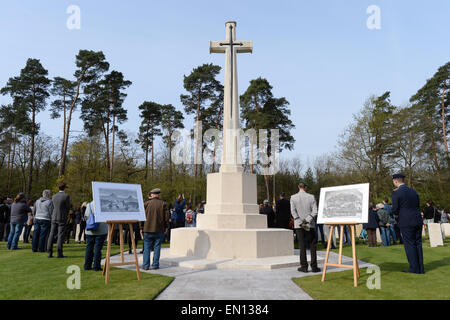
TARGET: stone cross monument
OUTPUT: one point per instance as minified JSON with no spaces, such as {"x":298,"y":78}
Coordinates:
{"x":230,"y":151}
{"x":231,"y":226}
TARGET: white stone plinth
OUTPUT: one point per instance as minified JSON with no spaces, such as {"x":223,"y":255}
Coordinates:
{"x":231,"y":193}
{"x":232,"y":221}
{"x":269,"y":263}
{"x":231,"y":243}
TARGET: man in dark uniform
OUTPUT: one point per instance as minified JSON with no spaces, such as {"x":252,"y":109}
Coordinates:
{"x":283,"y":214}
{"x":405,"y":204}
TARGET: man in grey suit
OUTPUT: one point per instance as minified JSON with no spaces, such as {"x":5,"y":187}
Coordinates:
{"x":304,"y":212}
{"x":61,"y":207}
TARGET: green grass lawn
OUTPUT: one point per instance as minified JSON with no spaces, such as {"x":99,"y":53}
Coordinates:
{"x":25,"y":275}
{"x":395,"y":285}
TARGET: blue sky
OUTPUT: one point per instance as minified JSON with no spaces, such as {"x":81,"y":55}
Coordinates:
{"x":318,"y":54}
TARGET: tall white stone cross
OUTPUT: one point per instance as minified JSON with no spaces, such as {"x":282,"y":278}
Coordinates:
{"x":230,"y":146}
{"x":231,"y":227}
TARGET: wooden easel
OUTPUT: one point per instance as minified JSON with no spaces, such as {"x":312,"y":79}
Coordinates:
{"x":108,"y":264}
{"x":355,"y":265}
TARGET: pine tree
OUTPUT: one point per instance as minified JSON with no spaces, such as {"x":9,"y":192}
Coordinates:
{"x":150,"y":128}
{"x":202,"y":87}
{"x":433,"y":100}
{"x":65,"y":91}
{"x":115,"y":85}
{"x":29,"y":92}
{"x":260,"y":110}
{"x":90,"y":66}
{"x":171,"y":119}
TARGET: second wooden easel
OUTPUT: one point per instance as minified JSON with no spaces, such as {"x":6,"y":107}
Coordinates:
{"x":108,"y":263}
{"x":355,"y":265}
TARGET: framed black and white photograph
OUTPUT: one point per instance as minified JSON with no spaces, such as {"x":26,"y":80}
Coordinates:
{"x":343,"y":204}
{"x":117,"y":201}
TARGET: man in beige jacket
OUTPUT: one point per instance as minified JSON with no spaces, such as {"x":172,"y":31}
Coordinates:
{"x":304,"y":212}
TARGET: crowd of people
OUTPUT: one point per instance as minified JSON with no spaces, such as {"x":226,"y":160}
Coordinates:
{"x":300,"y":214}
{"x":53,"y":219}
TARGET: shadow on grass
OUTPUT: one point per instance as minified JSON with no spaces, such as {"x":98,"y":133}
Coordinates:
{"x":429,"y":266}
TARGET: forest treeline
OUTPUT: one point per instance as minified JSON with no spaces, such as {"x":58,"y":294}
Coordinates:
{"x":381,"y":139}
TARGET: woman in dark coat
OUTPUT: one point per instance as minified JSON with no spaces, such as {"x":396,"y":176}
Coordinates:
{"x":19,"y":215}
{"x":372,"y":225}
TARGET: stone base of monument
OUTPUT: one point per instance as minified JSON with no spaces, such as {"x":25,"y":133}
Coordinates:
{"x":231,"y":243}
{"x":231,"y":221}
{"x":271,"y":263}
{"x":268,"y":263}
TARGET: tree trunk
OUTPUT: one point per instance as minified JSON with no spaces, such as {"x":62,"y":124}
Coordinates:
{"x":266,"y":180}
{"x":63,"y":139}
{"x":12,"y":160}
{"x":62,"y":163}
{"x":153,"y":157}
{"x":30,"y":170}
{"x":106,"y":135}
{"x":146,"y":159}
{"x":252,"y":142}
{"x":197,"y":134}
{"x":435,"y":160}
{"x":112,"y":146}
{"x":108,"y":159}
{"x":444,"y":133}
{"x":213,"y":160}
{"x":170,"y":151}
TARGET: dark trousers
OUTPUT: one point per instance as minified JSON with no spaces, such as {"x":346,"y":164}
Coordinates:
{"x":82,"y":230}
{"x":179,"y":224}
{"x":302,"y":234}
{"x":41,"y":229}
{"x":26,"y":233}
{"x":70,"y":230}
{"x":56,"y":229}
{"x":372,"y":237}
{"x":2,"y":230}
{"x":319,"y":227}
{"x":94,"y":246}
{"x":397,"y":233}
{"x":412,"y":240}
{"x":116,"y":236}
{"x":6,"y":231}
{"x":136,"y":238}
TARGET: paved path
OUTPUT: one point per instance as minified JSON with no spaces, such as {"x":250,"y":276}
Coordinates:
{"x":222,"y":284}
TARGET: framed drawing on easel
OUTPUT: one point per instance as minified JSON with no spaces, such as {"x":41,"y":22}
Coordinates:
{"x":343,"y":206}
{"x":118,"y":204}
{"x":117,"y":201}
